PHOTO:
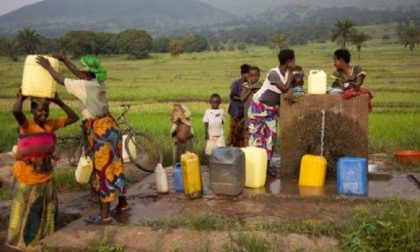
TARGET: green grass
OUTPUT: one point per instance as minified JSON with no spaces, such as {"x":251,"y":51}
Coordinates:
{"x":154,"y":84}
{"x":246,"y":242}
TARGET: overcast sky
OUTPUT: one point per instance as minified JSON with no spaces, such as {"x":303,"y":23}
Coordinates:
{"x":9,"y":5}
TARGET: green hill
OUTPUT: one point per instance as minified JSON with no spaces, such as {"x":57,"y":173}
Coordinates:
{"x":54,"y":17}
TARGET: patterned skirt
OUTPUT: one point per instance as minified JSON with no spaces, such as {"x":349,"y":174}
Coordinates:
{"x":262,"y":125}
{"x":104,"y":146}
{"x":33,"y":215}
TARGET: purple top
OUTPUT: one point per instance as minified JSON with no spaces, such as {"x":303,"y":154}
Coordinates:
{"x":236,"y":108}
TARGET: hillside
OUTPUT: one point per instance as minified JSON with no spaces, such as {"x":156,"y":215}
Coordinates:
{"x":240,"y":8}
{"x":54,"y":17}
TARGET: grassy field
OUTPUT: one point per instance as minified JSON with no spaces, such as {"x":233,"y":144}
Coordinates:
{"x":153,"y":85}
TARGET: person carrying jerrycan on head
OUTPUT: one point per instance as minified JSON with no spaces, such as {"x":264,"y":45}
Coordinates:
{"x":34,"y":199}
{"x":103,"y":138}
{"x":181,"y":132}
{"x":213,"y":125}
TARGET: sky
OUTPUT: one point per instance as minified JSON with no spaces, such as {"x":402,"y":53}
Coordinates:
{"x":10,"y":5}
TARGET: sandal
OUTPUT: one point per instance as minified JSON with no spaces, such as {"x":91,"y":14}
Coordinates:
{"x":118,"y":210}
{"x":97,"y":219}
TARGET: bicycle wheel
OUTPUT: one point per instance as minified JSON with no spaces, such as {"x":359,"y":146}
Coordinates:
{"x":143,"y":150}
{"x":75,"y":152}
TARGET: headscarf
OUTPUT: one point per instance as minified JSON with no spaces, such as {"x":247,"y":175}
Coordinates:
{"x":92,"y":64}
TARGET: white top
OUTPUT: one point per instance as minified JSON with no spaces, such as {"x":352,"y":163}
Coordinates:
{"x":215,"y":119}
{"x":267,"y":85}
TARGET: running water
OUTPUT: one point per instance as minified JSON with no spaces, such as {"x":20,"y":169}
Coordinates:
{"x":322,"y":132}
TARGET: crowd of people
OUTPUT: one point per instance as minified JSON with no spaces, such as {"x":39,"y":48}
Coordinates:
{"x":253,"y":110}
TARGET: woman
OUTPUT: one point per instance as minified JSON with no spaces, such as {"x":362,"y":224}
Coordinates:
{"x":264,"y":107}
{"x":34,"y":203}
{"x":102,"y":135}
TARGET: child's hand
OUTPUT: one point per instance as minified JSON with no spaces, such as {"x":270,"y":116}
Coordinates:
{"x":56,"y":56}
{"x":20,"y":95}
{"x":43,"y":62}
{"x":55,"y":99}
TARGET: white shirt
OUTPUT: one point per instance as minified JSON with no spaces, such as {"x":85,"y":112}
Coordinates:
{"x":215,"y":119}
{"x":267,"y":82}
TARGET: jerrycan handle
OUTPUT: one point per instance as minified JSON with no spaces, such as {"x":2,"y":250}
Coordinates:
{"x":314,"y":71}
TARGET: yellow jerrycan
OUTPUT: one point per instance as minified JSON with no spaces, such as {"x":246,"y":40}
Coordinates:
{"x":36,"y":81}
{"x":192,"y":175}
{"x":255,"y":166}
{"x":84,"y":170}
{"x":317,"y":82}
{"x":312,"y":171}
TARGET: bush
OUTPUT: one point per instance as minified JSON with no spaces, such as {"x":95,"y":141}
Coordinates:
{"x":136,"y":43}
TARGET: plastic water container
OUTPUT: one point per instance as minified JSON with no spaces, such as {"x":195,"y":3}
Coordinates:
{"x":317,"y":82}
{"x":192,"y":175}
{"x":36,"y":81}
{"x":161,"y":179}
{"x":84,"y":170}
{"x":313,"y":170}
{"x":255,"y":166}
{"x":131,"y":148}
{"x":352,"y":176}
{"x":227,"y":171}
{"x":178,"y":178}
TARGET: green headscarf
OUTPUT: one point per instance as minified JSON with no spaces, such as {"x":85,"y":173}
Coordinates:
{"x":92,"y":64}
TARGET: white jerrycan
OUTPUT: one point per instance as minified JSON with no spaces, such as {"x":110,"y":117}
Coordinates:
{"x":161,"y":179}
{"x":317,"y":82}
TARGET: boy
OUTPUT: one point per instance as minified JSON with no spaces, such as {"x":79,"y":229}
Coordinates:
{"x":213,"y":124}
{"x":34,"y":200}
{"x":181,"y":132}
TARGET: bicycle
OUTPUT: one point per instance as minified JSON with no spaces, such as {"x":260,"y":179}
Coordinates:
{"x":142,"y":149}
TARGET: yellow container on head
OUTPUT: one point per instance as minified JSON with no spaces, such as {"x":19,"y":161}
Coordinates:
{"x":312,"y":171}
{"x":192,"y":175}
{"x":36,"y":81}
{"x":255,"y":166}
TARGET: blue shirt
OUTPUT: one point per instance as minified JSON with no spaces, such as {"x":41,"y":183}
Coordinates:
{"x":236,"y":108}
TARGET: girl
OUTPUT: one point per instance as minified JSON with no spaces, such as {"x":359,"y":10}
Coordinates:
{"x":34,"y":203}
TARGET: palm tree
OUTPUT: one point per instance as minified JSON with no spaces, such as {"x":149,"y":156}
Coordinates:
{"x":358,"y":39}
{"x":11,"y":49}
{"x":29,"y":40}
{"x":278,"y":41}
{"x":342,"y":31}
{"x":410,"y":36}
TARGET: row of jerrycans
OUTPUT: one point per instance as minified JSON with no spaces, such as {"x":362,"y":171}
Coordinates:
{"x":351,"y":174}
{"x":232,"y":169}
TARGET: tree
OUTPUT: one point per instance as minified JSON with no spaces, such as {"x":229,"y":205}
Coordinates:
{"x":342,"y":31}
{"x":176,"y":46}
{"x":105,"y":43}
{"x":161,"y":45}
{"x":29,"y":40}
{"x":135,"y":43}
{"x":194,"y":43}
{"x":278,"y":41}
{"x":410,"y":36}
{"x":359,"y":39}
{"x":78,"y":43}
{"x":11,"y":49}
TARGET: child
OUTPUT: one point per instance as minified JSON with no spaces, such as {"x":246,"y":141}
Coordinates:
{"x":34,"y":203}
{"x":249,"y":88}
{"x":182,"y":132}
{"x":297,"y":90}
{"x":213,"y":124}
